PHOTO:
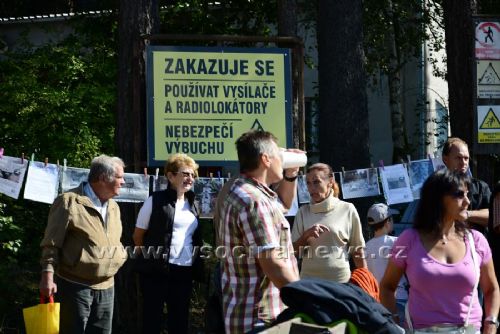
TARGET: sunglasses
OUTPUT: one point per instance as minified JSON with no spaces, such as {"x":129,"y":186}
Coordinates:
{"x":187,"y":174}
{"x":459,"y":194}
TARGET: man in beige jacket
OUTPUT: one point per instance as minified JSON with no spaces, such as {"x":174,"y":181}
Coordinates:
{"x":82,"y":246}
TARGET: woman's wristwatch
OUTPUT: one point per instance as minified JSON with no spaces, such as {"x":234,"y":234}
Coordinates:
{"x":492,"y":320}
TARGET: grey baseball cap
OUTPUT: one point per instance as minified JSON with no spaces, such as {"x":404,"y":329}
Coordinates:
{"x":379,"y":212}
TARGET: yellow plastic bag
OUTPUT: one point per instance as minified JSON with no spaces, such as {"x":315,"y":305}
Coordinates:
{"x":42,"y":318}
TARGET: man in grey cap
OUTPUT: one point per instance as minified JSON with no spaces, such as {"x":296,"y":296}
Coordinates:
{"x":378,"y":248}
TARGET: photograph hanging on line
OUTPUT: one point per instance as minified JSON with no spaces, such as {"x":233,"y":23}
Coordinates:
{"x":135,"y":189}
{"x":42,"y":182}
{"x":396,"y":184}
{"x":12,"y":171}
{"x":72,"y":177}
{"x":359,"y":183}
{"x":160,"y":183}
{"x":206,"y":190}
{"x":303,"y":196}
{"x":419,"y":171}
{"x":438,"y":164}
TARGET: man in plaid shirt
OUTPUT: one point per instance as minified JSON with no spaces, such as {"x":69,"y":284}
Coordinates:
{"x":259,"y":256}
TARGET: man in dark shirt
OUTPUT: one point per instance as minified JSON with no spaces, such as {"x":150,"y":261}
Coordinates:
{"x":456,"y":157}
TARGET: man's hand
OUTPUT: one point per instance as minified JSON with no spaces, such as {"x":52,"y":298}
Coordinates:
{"x":47,"y":285}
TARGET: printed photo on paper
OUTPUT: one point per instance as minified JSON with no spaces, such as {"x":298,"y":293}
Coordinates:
{"x":359,"y":183}
{"x":42,"y":182}
{"x":12,"y":171}
{"x":206,"y":190}
{"x":396,"y":184}
{"x":419,"y":171}
{"x":135,"y":189}
{"x":72,"y":177}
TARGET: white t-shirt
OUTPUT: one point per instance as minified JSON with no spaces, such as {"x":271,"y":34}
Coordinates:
{"x":377,"y":252}
{"x":185,"y":223}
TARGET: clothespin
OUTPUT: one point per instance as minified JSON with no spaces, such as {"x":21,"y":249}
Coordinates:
{"x":22,"y":158}
{"x":145,"y":172}
{"x":157,"y":172}
{"x":343,"y":171}
{"x":381,"y":164}
{"x":45,"y":162}
{"x":371,"y":165}
{"x":32,"y":156}
{"x":211,"y":175}
{"x":218,"y":174}
{"x":1,"y":152}
{"x":403,"y":162}
{"x":64,"y":162}
{"x":228,"y":175}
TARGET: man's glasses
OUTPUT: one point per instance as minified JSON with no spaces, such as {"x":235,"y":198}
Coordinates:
{"x":187,"y":174}
{"x":459,"y":194}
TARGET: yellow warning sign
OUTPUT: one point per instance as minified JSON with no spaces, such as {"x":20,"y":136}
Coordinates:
{"x":200,"y":100}
{"x":488,"y":123}
{"x":488,"y":79}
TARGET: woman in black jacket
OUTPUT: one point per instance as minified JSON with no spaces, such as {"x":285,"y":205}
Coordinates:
{"x":167,"y":226}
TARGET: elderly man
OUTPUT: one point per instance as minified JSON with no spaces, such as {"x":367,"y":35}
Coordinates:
{"x":82,"y":246}
{"x":259,"y":254}
{"x":456,"y":157}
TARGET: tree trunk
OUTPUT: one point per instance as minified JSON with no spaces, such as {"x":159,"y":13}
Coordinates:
{"x":343,"y":110}
{"x":343,"y":115}
{"x":398,"y":125}
{"x":459,"y":35}
{"x":287,"y":26}
{"x":287,"y":18}
{"x":137,"y":18}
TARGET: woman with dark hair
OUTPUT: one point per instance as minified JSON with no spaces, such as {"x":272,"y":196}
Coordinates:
{"x":444,"y":262}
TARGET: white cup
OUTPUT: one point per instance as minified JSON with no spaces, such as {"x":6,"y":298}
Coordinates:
{"x":293,"y":159}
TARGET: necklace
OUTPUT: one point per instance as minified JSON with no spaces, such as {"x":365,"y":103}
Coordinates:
{"x":451,"y":232}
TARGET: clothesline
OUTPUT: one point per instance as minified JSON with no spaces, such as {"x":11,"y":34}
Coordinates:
{"x":401,"y":183}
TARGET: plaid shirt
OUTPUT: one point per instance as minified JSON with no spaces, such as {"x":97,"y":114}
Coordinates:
{"x":252,"y":222}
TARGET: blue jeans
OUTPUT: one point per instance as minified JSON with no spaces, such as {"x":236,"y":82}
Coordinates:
{"x":400,"y":306}
{"x":84,"y":310}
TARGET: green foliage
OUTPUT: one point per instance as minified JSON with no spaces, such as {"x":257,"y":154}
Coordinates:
{"x":406,"y":20}
{"x":21,"y":227}
{"x":57,"y":100}
{"x":228,"y":17}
